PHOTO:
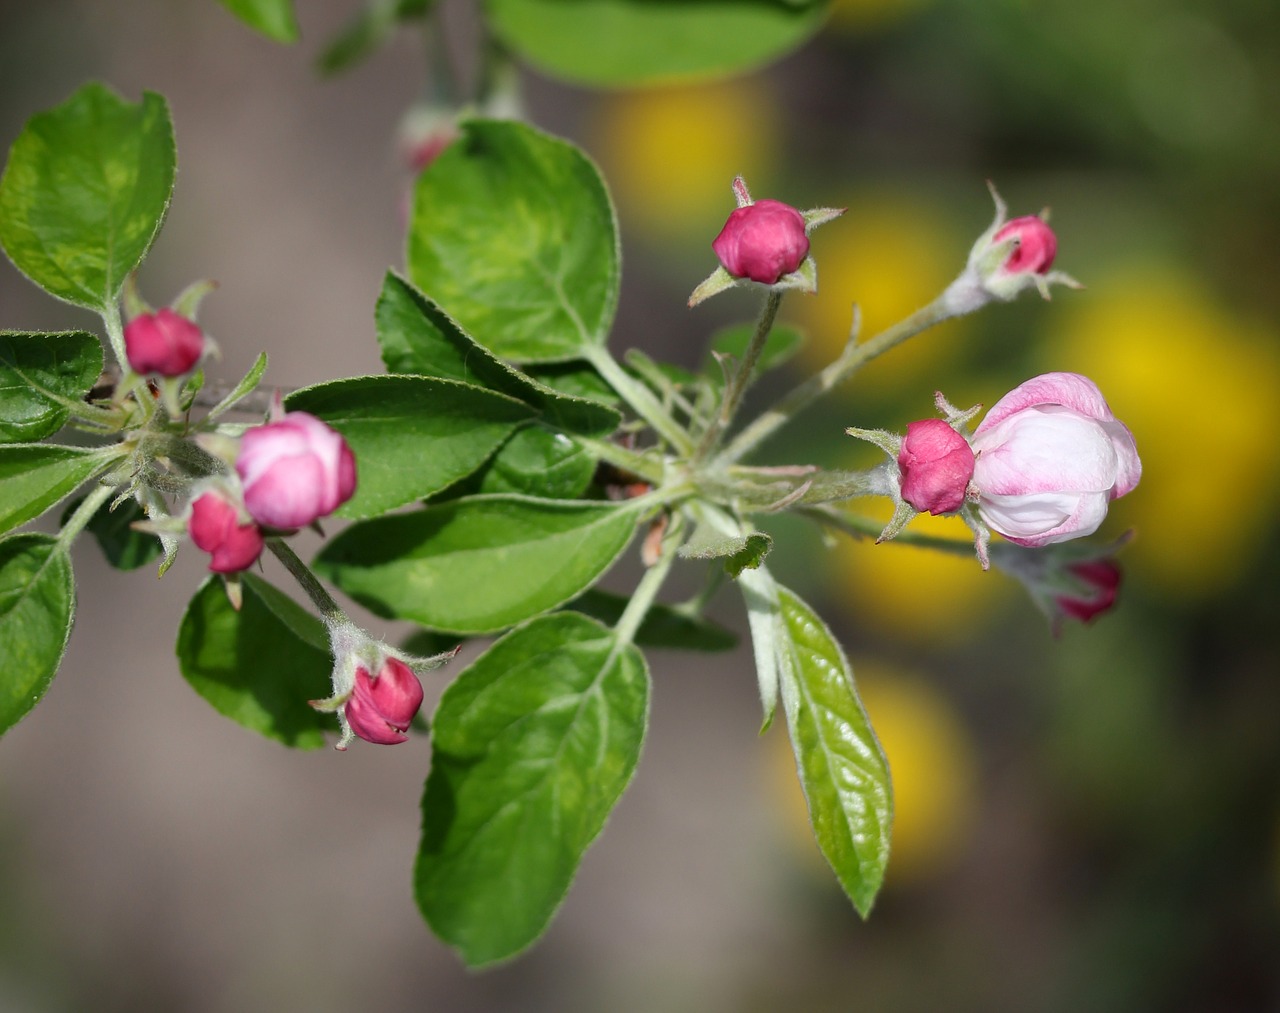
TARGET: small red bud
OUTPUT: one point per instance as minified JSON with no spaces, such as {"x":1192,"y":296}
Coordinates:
{"x":163,"y":342}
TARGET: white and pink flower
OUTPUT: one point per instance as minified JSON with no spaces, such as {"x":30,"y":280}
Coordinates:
{"x":295,"y":470}
{"x":1049,"y":458}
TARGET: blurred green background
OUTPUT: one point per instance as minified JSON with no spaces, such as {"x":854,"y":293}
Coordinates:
{"x":1087,"y":823}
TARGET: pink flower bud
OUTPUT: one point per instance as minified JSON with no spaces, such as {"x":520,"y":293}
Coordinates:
{"x":936,"y":464}
{"x":762,"y":241}
{"x":1037,"y":245}
{"x":1050,"y":457}
{"x":216,"y":528}
{"x":381,"y":707}
{"x":1097,"y":581}
{"x":163,"y":342}
{"x":295,"y":471}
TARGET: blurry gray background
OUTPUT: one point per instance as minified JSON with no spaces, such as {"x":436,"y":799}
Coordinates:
{"x":1084,"y":824}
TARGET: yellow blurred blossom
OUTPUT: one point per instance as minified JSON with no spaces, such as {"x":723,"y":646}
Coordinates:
{"x":1196,"y":383}
{"x":670,"y":154}
{"x":891,"y":255}
{"x":918,"y":594}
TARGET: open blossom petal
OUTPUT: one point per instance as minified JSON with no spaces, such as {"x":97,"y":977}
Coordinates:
{"x":1050,"y":456}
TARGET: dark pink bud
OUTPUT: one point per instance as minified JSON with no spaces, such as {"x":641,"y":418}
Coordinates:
{"x":1037,"y":245}
{"x":762,"y":241}
{"x":1098,"y":581}
{"x":380,"y":708}
{"x":215,"y":527}
{"x":163,"y":342}
{"x":936,"y":465}
{"x":295,"y":471}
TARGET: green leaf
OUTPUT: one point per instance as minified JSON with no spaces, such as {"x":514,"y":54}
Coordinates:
{"x":533,"y":745}
{"x":273,"y":18}
{"x":39,"y":375}
{"x":539,"y":462}
{"x":669,"y":626}
{"x":624,"y":43}
{"x":417,"y":336}
{"x":35,"y":476}
{"x":124,"y":548}
{"x":85,"y":193}
{"x":37,"y":606}
{"x":842,"y":767}
{"x":479,"y":564}
{"x":412,"y":435}
{"x":259,"y":666}
{"x":577,"y":379}
{"x":513,"y":233}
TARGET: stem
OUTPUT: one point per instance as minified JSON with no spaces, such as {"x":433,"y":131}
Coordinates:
{"x":867,"y":527}
{"x":742,"y":378}
{"x":83,"y":514}
{"x":330,"y":610}
{"x":643,"y":465}
{"x":647,"y":590}
{"x":853,"y":358}
{"x":640,"y":398}
{"x":115,"y":333}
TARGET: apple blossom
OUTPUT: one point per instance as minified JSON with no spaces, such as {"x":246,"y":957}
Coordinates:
{"x":381,"y":706}
{"x":1049,"y":458}
{"x":216,"y":526}
{"x":936,"y":464}
{"x":295,"y":470}
{"x":762,"y":241}
{"x":164,"y":342}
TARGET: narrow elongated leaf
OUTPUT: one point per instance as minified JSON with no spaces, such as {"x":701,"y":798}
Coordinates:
{"x":624,"y":43}
{"x":39,"y":373}
{"x":533,"y":745}
{"x":85,"y":192}
{"x":258,"y":666}
{"x":417,"y":336}
{"x":37,"y":606}
{"x":842,"y":767}
{"x":35,"y":476}
{"x":479,"y":564}
{"x":371,"y":26}
{"x":412,"y":435}
{"x":273,"y":18}
{"x":513,"y":233}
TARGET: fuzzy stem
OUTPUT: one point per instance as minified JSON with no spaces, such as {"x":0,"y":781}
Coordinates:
{"x":115,"y":333}
{"x":82,"y":515}
{"x":639,"y":397}
{"x":646,"y":591}
{"x":742,"y":378}
{"x":329,"y":609}
{"x":853,"y":358}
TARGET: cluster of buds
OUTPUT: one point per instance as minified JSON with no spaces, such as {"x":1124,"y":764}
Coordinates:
{"x":292,"y":471}
{"x":1041,"y":468}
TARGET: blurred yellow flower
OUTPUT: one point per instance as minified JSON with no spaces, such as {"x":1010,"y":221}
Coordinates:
{"x":932,"y":760}
{"x":1196,"y":383}
{"x":670,"y":154}
{"x":891,"y":256}
{"x":917,"y":594}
